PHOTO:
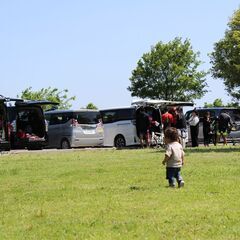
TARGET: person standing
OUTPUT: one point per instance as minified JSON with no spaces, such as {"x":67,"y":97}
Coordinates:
{"x":181,"y":126}
{"x":167,"y":119}
{"x":207,"y":129}
{"x":174,"y":112}
{"x":143,"y":125}
{"x":174,"y":157}
{"x":194,"y":128}
{"x":214,"y":127}
{"x":224,"y":124}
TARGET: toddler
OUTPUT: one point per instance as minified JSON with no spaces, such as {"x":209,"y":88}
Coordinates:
{"x":174,"y":157}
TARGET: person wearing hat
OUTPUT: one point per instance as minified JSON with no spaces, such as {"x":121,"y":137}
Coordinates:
{"x":194,"y":127}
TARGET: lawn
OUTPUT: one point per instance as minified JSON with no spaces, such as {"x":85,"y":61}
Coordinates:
{"x":119,"y":194}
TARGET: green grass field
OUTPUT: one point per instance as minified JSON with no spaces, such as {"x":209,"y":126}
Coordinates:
{"x":119,"y":194}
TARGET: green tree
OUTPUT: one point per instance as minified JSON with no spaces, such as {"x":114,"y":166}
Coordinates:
{"x":225,"y":58}
{"x":91,"y":106}
{"x":169,"y":71}
{"x":218,"y":103}
{"x":51,"y":94}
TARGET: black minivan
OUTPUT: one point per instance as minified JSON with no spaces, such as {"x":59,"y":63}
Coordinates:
{"x":4,"y":128}
{"x":24,"y":124}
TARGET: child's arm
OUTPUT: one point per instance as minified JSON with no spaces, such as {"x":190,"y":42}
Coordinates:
{"x":168,"y":154}
{"x":183,"y":161}
{"x":166,"y":158}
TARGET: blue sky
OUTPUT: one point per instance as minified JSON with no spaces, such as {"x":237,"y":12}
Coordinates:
{"x":91,"y":47}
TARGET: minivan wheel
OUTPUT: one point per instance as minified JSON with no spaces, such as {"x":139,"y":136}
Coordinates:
{"x":65,"y":144}
{"x":119,"y":141}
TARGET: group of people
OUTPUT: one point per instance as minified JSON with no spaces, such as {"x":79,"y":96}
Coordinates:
{"x":213,"y":128}
{"x":172,"y":117}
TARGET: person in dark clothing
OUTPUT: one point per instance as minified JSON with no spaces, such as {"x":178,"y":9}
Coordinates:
{"x":214,"y":128}
{"x":207,"y":129}
{"x":194,"y":128}
{"x":181,"y":120}
{"x":181,"y":126}
{"x":143,"y":125}
{"x":224,"y":124}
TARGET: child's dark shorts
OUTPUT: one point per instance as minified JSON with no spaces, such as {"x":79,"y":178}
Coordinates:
{"x":172,"y":172}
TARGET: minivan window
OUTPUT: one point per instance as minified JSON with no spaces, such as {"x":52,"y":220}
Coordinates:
{"x":234,"y":114}
{"x":109,"y":116}
{"x":126,"y":114}
{"x":59,"y":118}
{"x":87,"y":117}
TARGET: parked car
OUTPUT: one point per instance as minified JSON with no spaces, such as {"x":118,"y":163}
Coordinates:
{"x":28,"y":125}
{"x":23,"y":124}
{"x":4,"y":129}
{"x":119,"y":126}
{"x":234,"y":113}
{"x":70,"y":128}
{"x":120,"y":129}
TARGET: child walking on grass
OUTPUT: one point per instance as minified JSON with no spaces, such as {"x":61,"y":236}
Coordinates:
{"x":174,"y":157}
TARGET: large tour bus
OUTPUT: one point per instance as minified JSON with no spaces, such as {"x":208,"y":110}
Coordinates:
{"x":120,"y":128}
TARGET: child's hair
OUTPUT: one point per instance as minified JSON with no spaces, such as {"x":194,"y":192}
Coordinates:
{"x":171,"y":133}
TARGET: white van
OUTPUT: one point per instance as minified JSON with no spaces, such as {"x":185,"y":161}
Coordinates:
{"x":70,"y":129}
{"x":119,"y":126}
{"x":119,"y":123}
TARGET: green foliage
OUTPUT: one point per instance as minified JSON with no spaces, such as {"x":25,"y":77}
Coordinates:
{"x":51,"y":94}
{"x":218,"y":103}
{"x":225,"y":58}
{"x":91,"y":106}
{"x":110,"y":194}
{"x":169,"y":71}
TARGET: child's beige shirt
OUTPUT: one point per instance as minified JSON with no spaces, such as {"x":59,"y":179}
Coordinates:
{"x":175,"y":153}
